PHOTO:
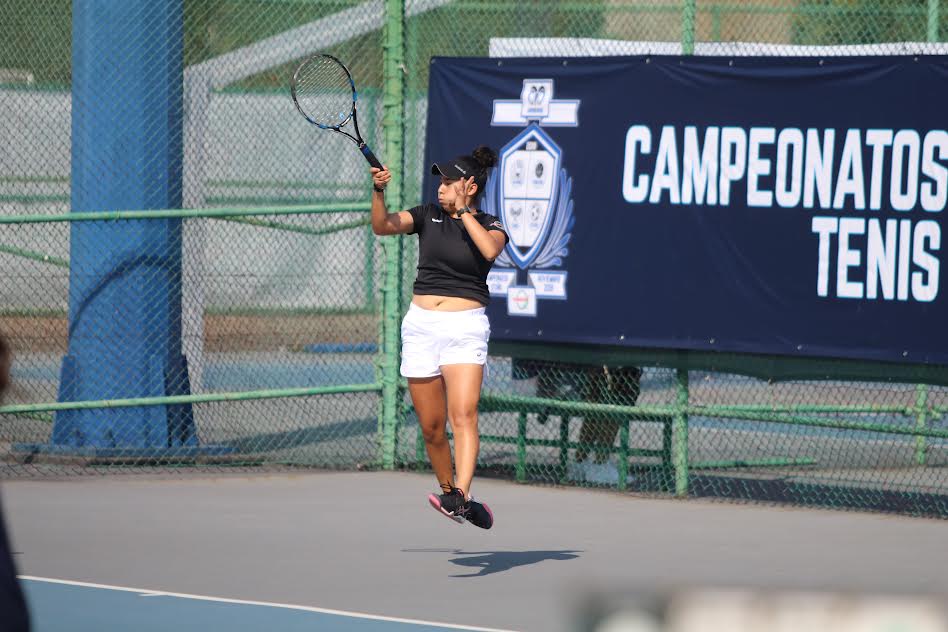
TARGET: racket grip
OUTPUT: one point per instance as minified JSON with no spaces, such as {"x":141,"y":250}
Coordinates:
{"x":370,"y":156}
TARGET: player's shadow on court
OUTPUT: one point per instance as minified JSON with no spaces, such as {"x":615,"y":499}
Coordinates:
{"x":490,"y":562}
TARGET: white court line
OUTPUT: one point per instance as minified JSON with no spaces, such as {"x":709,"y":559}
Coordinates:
{"x":144,"y":592}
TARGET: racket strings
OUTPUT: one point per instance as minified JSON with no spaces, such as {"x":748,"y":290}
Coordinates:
{"x":324,"y":92}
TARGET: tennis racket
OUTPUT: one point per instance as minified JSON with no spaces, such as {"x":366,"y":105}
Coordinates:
{"x":325,"y":94}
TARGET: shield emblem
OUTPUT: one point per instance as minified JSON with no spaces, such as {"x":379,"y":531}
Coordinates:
{"x":529,"y":165}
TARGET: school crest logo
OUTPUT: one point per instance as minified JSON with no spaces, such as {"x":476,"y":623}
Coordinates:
{"x":531,"y":192}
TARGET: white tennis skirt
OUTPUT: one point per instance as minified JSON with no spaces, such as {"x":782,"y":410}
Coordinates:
{"x":432,"y":339}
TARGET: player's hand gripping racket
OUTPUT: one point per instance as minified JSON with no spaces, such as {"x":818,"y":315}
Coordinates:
{"x":325,"y":94}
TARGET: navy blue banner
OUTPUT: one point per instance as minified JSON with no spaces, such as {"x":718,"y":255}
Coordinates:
{"x":788,"y":206}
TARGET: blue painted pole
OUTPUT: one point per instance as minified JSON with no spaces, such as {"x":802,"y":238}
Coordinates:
{"x":125,"y":276}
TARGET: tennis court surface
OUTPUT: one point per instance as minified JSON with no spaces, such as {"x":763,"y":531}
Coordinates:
{"x":364,"y":551}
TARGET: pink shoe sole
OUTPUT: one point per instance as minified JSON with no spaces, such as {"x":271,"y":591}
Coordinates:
{"x":436,"y":503}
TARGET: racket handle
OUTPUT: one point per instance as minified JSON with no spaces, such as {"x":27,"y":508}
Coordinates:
{"x":370,"y":156}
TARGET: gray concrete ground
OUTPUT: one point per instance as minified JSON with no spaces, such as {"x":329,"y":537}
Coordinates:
{"x":369,"y":542}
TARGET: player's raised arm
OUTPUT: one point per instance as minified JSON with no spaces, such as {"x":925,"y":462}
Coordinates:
{"x":383,"y":222}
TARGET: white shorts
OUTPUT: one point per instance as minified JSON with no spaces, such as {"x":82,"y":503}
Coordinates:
{"x":432,"y":339}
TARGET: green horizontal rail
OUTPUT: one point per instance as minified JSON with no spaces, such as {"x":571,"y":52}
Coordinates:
{"x":837,"y":424}
{"x":556,"y":443}
{"x":304,"y":230}
{"x":814,"y":408}
{"x":190,"y":399}
{"x":813,"y":10}
{"x":733,"y":463}
{"x":287,"y":184}
{"x":493,"y":402}
{"x":35,"y":256}
{"x":263,"y":201}
{"x":287,"y":311}
{"x":39,"y":312}
{"x":98,"y":216}
{"x":44,"y":417}
{"x":514,"y":403}
{"x":33,"y":198}
{"x":34,"y":179}
{"x":221,"y":200}
{"x":268,"y":312}
{"x":731,"y":7}
{"x":233,"y":183}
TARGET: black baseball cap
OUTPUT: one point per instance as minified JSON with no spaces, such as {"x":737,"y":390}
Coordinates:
{"x":460,"y":167}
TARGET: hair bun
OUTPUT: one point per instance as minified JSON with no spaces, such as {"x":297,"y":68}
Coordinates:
{"x":485,"y":156}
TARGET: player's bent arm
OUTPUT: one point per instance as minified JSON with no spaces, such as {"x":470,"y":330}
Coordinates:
{"x":385,"y":223}
{"x":490,"y":242}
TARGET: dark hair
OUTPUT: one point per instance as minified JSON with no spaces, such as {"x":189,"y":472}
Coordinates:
{"x":484,"y":158}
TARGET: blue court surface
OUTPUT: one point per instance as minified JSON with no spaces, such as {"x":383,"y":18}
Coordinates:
{"x":65,"y":606}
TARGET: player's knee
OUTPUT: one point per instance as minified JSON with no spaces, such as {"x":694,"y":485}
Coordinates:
{"x":433,"y":433}
{"x":464,"y":420}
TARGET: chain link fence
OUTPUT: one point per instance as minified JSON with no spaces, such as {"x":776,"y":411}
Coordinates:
{"x":271,"y":308}
{"x":259,"y":326}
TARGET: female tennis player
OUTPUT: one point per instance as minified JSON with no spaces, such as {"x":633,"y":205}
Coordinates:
{"x":445,"y":332}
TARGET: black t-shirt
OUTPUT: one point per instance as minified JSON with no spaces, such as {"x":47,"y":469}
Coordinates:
{"x":449,"y":263}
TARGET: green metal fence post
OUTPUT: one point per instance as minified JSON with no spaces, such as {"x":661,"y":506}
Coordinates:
{"x":521,"y":467}
{"x":933,"y":20}
{"x":369,"y":276}
{"x":564,"y":445}
{"x":688,"y":27}
{"x":667,"y":469}
{"x":921,"y":423}
{"x":715,"y":23}
{"x":416,"y":92}
{"x":393,"y":106}
{"x":680,"y":434}
{"x":624,"y":454}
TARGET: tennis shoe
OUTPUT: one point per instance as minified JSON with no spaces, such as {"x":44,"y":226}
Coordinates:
{"x":451,"y":504}
{"x":479,"y":514}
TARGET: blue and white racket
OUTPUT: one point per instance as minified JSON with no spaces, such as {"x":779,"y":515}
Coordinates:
{"x":325,"y":94}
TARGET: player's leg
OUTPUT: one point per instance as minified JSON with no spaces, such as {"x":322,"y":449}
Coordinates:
{"x":461,"y":362}
{"x":420,"y":357}
{"x":463,"y":387}
{"x":428,"y":397}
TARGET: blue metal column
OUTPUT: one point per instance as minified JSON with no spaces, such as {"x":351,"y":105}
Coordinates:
{"x":125,"y":276}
